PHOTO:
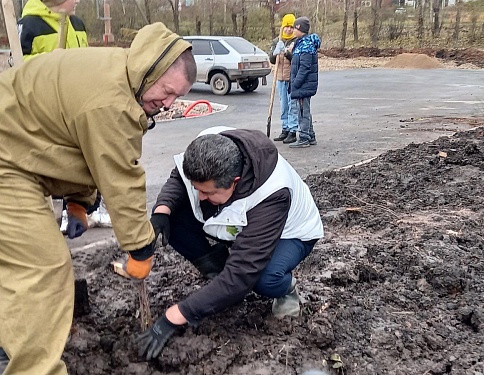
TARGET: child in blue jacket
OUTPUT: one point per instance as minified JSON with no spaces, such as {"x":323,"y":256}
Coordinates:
{"x":304,"y":79}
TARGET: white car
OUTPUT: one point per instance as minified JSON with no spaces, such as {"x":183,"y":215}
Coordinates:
{"x":222,"y":60}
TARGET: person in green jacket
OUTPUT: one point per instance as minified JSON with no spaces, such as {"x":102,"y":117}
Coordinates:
{"x":72,"y":121}
{"x":40,"y":25}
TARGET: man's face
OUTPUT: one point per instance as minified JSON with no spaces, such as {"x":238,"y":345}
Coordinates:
{"x":208,"y":191}
{"x":165,"y":90}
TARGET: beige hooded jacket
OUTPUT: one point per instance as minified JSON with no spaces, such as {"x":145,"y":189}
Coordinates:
{"x":71,"y":119}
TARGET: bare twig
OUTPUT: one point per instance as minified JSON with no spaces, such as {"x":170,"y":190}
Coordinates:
{"x":144,"y":306}
{"x":368,"y":205}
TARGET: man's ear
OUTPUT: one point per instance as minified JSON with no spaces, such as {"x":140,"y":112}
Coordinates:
{"x":236,"y":179}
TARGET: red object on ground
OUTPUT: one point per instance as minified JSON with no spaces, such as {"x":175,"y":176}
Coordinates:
{"x":187,"y":113}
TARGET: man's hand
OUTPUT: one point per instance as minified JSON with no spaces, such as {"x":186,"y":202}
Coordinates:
{"x":153,"y":340}
{"x":76,"y":220}
{"x":161,"y":225}
{"x":138,"y":269}
{"x":139,"y":262}
{"x":279,"y":48}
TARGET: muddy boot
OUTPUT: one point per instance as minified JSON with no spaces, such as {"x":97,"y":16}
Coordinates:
{"x":211,"y":264}
{"x":287,"y":305}
{"x":3,"y":360}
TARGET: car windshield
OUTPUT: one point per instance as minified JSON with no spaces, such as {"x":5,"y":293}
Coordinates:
{"x":242,"y":46}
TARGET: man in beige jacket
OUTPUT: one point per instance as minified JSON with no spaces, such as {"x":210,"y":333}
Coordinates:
{"x":72,"y":121}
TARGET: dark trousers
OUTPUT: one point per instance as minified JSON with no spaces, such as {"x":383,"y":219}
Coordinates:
{"x":188,"y":239}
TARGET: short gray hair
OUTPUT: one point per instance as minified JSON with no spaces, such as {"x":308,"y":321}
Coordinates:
{"x":213,"y":157}
{"x":186,"y":62}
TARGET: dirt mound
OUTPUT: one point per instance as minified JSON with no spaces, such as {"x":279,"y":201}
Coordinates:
{"x":413,"y":61}
{"x":396,"y":287}
{"x":461,"y":56}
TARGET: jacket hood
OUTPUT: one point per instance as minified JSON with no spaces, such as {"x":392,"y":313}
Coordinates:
{"x":152,"y":52}
{"x":38,"y":8}
{"x":260,"y":159}
{"x":307,"y":44}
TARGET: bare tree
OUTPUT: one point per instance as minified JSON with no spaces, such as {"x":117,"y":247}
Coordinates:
{"x":210,"y":18}
{"x":270,"y":5}
{"x":174,"y":4}
{"x":147,"y":11}
{"x":420,"y":22}
{"x":375,"y":26}
{"x":198,"y":25}
{"x":457,"y":23}
{"x":473,"y":34}
{"x":345,"y":24}
{"x":244,"y":18}
{"x":436,"y":9}
{"x":319,"y":18}
{"x":355,"y":21}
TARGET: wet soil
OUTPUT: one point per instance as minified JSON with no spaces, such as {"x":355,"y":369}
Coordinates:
{"x":395,"y":287}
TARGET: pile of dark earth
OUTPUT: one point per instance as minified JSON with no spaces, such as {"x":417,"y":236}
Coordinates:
{"x":395,"y":287}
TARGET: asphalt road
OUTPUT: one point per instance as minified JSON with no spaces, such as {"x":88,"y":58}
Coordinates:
{"x":357,"y":115}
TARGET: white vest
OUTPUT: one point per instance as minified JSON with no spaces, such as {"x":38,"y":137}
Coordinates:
{"x":303,"y":221}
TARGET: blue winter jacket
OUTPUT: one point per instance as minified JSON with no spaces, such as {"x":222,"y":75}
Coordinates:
{"x":304,"y":67}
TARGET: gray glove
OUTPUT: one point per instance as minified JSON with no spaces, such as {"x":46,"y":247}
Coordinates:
{"x":279,"y":48}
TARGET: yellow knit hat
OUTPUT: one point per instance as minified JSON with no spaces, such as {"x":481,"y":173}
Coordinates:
{"x":288,"y":20}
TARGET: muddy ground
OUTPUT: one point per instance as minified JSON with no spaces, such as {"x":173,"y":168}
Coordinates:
{"x":395,"y":287}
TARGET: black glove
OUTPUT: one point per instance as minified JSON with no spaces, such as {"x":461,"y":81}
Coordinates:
{"x":161,"y":224}
{"x":153,"y":340}
{"x":76,"y":220}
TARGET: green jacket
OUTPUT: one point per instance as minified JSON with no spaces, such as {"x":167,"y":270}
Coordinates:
{"x":39,"y":30}
{"x":71,"y":118}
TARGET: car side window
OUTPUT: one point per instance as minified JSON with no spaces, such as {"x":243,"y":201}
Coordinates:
{"x":218,"y":48}
{"x":201,"y":47}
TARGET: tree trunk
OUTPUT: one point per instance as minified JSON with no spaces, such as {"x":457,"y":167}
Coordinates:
{"x":198,"y":25}
{"x":244,"y":19}
{"x":210,"y":19}
{"x":420,"y":22}
{"x":147,"y":11}
{"x":234,"y":23}
{"x":436,"y":9}
{"x":375,"y":27}
{"x":143,"y":15}
{"x":355,"y":23}
{"x":473,"y":33}
{"x":271,"y":20}
{"x":176,"y":14}
{"x":319,"y":20}
{"x":345,"y":24}
{"x":457,"y":23}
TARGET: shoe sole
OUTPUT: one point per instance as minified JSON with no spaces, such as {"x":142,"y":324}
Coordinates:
{"x":299,"y":146}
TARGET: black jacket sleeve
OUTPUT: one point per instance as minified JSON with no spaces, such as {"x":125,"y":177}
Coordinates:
{"x":249,"y":255}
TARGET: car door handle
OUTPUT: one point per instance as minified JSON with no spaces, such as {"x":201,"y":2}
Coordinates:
{"x":208,"y":59}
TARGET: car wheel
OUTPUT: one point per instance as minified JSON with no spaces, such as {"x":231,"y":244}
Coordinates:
{"x":250,"y":85}
{"x":220,"y":84}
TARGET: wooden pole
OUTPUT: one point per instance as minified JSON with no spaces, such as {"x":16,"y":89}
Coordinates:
{"x":12,"y":32}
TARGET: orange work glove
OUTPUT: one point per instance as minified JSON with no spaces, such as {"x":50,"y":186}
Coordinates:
{"x":138,"y":269}
{"x":76,"y":220}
